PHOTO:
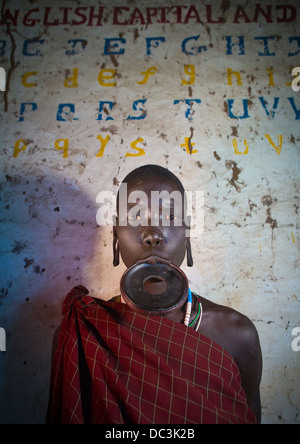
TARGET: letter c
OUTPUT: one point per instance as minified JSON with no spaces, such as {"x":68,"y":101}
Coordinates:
{"x":25,"y":77}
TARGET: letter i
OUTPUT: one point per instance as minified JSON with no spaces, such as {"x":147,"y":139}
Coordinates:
{"x":259,"y":244}
{"x":271,"y":76}
{"x":293,"y":237}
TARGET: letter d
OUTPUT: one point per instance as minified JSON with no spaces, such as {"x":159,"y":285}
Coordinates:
{"x":153,"y":433}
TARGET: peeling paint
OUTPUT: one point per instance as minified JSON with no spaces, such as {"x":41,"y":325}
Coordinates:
{"x":18,"y":247}
{"x":231,"y":165}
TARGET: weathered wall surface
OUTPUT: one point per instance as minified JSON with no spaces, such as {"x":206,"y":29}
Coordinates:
{"x":95,"y":89}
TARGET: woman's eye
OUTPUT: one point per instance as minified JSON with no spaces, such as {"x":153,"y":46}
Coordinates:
{"x":171,"y":217}
{"x":135,"y":217}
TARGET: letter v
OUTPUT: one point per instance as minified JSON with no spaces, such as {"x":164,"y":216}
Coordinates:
{"x":297,"y":111}
{"x":275,"y":106}
{"x":277,"y":148}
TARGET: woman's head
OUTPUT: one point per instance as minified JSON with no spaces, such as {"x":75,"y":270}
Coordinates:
{"x":151,"y":217}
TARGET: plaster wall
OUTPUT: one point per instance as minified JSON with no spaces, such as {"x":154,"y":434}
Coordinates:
{"x":94,"y":91}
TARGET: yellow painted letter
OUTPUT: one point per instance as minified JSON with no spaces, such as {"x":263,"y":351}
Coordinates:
{"x":71,"y":82}
{"x":230,"y":73}
{"x":271,"y":76}
{"x":190,"y":71}
{"x":188,"y":145}
{"x":150,"y":72}
{"x":235,"y":146}
{"x":64,"y":147}
{"x":25,"y":77}
{"x":140,"y":151}
{"x":102,"y":77}
{"x":103,"y":144}
{"x":279,"y":147}
{"x":17,"y":148}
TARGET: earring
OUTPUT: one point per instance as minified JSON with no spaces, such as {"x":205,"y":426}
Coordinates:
{"x":189,"y":257}
{"x":116,"y":252}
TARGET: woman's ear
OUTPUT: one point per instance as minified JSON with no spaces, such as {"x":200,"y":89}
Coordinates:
{"x":116,"y":250}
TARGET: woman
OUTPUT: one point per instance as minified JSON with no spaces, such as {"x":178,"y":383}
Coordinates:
{"x":115,"y":364}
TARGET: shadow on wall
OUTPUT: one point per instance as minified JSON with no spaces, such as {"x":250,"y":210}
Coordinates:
{"x":49,"y":234}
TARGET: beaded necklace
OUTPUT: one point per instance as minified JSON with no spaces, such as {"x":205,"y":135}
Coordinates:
{"x":188,"y":312}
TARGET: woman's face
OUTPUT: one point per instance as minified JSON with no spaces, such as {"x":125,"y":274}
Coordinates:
{"x":142,"y":225}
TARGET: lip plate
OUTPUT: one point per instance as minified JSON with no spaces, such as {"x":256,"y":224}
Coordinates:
{"x":135,"y":295}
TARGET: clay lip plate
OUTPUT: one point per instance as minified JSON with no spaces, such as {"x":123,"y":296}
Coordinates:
{"x":154,"y":286}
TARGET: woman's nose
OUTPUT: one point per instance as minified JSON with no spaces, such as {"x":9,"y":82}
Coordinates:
{"x":152,"y":238}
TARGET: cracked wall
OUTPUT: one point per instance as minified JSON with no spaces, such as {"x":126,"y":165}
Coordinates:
{"x":93,"y":91}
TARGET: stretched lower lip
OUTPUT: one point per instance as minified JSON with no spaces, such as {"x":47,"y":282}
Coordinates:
{"x":153,"y":260}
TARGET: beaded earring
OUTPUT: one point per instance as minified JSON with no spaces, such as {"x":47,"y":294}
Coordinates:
{"x":116,"y":251}
{"x":189,"y":256}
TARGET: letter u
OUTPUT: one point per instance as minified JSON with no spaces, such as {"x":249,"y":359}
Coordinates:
{"x":245,"y":107}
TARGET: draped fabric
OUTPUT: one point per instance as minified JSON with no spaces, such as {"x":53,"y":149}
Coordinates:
{"x":115,"y":366}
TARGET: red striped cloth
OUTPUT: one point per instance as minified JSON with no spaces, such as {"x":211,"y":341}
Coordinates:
{"x":115,"y":366}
